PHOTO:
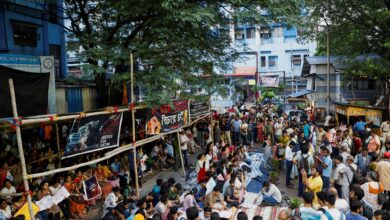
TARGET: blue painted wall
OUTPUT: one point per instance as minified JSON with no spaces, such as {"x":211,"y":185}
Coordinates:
{"x":47,"y":33}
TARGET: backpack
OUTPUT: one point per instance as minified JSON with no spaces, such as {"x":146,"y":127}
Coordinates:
{"x":357,"y":176}
{"x":304,"y":164}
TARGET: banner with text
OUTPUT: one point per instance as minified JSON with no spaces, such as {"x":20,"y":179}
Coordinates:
{"x":165,"y":118}
{"x":199,"y":108}
{"x":269,"y":81}
{"x":93,"y":133}
{"x":91,"y":188}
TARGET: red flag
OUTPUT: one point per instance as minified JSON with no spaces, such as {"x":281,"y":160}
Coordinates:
{"x":125,"y":99}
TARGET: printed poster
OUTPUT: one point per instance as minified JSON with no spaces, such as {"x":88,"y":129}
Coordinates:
{"x":93,"y":133}
{"x":165,"y":119}
{"x":199,"y":108}
{"x":91,"y":188}
{"x":269,"y":81}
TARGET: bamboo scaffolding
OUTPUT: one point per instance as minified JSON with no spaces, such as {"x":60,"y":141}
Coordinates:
{"x":181,"y":155}
{"x":20,"y":148}
{"x":133,"y":124}
{"x":112,"y":153}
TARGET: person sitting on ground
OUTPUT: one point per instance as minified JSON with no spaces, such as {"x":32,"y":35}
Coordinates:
{"x":5,"y":210}
{"x":230,"y":194}
{"x":332,"y":212}
{"x":214,"y":216}
{"x":189,"y":200}
{"x":192,"y":213}
{"x":242,"y":216}
{"x":162,"y":205}
{"x":7,"y":190}
{"x":212,"y":198}
{"x":307,"y":211}
{"x":356,"y":209}
{"x":271,"y":194}
{"x":112,"y":200}
{"x":141,"y":213}
{"x":284,"y":214}
{"x":174,"y":193}
{"x":206,"y":214}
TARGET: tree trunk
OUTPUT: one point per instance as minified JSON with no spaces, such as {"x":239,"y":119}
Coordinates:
{"x":102,"y":90}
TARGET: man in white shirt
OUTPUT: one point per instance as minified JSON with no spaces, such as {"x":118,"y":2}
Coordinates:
{"x":340,"y":204}
{"x":341,"y":178}
{"x":271,"y":194}
{"x":7,"y":190}
{"x":183,"y":146}
{"x":385,"y":128}
{"x":111,"y":201}
{"x":162,"y":205}
{"x":278,"y":128}
{"x":332,"y":212}
{"x":289,"y":163}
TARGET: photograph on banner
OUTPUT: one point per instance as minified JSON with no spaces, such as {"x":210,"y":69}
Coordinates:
{"x":165,"y":118}
{"x":93,"y":133}
{"x":269,"y":81}
{"x":91,"y":188}
{"x":199,"y":108}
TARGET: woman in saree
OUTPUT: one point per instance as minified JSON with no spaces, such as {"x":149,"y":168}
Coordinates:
{"x":78,"y":207}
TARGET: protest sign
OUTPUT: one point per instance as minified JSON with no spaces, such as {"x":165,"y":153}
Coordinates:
{"x":23,"y":211}
{"x":93,"y":133}
{"x":91,"y":188}
{"x":199,"y":108}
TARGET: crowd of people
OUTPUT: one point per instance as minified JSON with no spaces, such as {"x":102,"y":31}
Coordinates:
{"x":340,"y":170}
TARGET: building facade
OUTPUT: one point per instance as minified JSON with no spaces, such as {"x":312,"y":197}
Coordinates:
{"x":34,"y":28}
{"x":274,"y":50}
{"x":361,"y":90}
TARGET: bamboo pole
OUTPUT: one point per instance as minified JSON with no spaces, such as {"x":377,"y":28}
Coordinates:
{"x":58,"y":144}
{"x":49,"y":117}
{"x":112,"y":153}
{"x":20,"y":148}
{"x":181,"y":154}
{"x":133,"y":122}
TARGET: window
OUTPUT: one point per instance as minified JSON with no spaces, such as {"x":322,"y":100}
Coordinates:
{"x":250,"y":33}
{"x":52,"y":6}
{"x":265,"y":35}
{"x":262,"y":59}
{"x":296,"y":59}
{"x":277,"y":32}
{"x":363,"y":84}
{"x":25,"y":34}
{"x":272,"y":61}
{"x":239,"y":34}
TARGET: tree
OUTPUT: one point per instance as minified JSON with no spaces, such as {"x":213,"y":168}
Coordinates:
{"x":174,"y":41}
{"x":359,"y":32}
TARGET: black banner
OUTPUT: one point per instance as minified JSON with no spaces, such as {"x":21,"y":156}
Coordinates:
{"x":31,"y":92}
{"x":199,"y":108}
{"x":164,"y":119}
{"x":93,"y":133}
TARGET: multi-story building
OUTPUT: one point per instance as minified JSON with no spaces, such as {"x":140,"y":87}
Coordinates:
{"x":33,"y":28}
{"x":274,"y":50}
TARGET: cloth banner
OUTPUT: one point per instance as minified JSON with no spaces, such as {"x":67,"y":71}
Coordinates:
{"x":164,"y":118}
{"x":199,"y":108}
{"x":31,"y":92}
{"x":269,"y":81}
{"x":91,"y":188}
{"x":93,"y":133}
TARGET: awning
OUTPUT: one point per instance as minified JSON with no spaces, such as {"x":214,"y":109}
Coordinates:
{"x":300,"y":93}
